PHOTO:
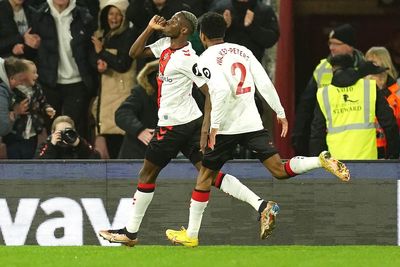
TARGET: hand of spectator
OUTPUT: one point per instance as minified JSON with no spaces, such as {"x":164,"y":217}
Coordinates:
{"x":22,"y":107}
{"x":18,"y":49}
{"x":212,"y":137}
{"x":248,"y":18}
{"x":55,"y":137}
{"x":98,"y":45}
{"x":146,"y":135}
{"x":101,"y":66}
{"x":51,"y":112}
{"x":285,"y":126}
{"x":228,"y":17}
{"x":31,"y":39}
{"x":157,"y":23}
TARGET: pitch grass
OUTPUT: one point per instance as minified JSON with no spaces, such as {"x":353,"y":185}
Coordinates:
{"x":204,"y":256}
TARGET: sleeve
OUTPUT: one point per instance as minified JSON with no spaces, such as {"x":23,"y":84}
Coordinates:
{"x":192,"y":68}
{"x":159,"y":46}
{"x":265,"y":28}
{"x":219,"y":93}
{"x":127,"y":115}
{"x":318,"y":133}
{"x":5,"y":122}
{"x":7,"y":42}
{"x":137,"y":14}
{"x":86,"y":150}
{"x":121,"y":62}
{"x":386,"y":119}
{"x":46,"y":151}
{"x":304,"y":117}
{"x":265,"y":86}
{"x":218,"y":89}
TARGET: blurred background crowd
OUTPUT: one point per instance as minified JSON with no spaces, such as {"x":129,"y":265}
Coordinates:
{"x":88,"y":99}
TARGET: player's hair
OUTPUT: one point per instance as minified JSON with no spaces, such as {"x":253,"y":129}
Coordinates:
{"x":191,"y":19}
{"x":212,"y":25}
{"x":14,"y":66}
{"x":60,"y":119}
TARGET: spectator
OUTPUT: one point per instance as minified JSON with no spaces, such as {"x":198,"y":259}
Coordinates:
{"x":65,"y":143}
{"x":341,"y":41}
{"x":23,"y":139}
{"x":198,"y":7}
{"x":250,"y":23}
{"x":394,"y":49}
{"x":137,"y":115}
{"x":390,"y":88}
{"x":65,"y":58}
{"x":112,"y":42}
{"x":13,"y":72}
{"x":16,"y":38}
{"x":92,"y":5}
{"x":344,"y":119}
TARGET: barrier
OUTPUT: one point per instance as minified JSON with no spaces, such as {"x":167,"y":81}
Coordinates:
{"x":67,"y":202}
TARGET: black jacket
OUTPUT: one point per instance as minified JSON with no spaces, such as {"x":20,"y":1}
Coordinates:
{"x":262,"y":33}
{"x":37,"y":110}
{"x":385,"y":117}
{"x":9,"y":34}
{"x":137,"y":112}
{"x":305,"y":113}
{"x":82,"y":28}
{"x":82,"y":151}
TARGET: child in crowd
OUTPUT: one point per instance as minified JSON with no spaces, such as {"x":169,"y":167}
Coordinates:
{"x":22,"y":141}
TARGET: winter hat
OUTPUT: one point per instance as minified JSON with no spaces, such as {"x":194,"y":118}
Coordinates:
{"x":344,"y":33}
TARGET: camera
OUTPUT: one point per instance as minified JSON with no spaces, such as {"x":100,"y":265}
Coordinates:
{"x":69,"y":136}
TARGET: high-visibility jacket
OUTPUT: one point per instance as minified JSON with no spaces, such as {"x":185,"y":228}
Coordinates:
{"x":323,"y":73}
{"x":350,"y":113}
{"x":394,"y":102}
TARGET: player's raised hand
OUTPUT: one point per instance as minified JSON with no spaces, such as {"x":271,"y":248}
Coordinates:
{"x":157,"y":23}
{"x":285,"y":126}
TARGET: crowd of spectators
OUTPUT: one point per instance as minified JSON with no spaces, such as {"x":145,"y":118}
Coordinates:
{"x":81,"y":51}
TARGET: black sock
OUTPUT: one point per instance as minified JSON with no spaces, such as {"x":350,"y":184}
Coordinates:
{"x":262,"y":206}
{"x":130,"y":235}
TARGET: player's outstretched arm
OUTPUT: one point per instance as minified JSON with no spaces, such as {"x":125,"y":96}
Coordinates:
{"x":206,"y":118}
{"x":139,"y":49}
{"x":265,"y":87}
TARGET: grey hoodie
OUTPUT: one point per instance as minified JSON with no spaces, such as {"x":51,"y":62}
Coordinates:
{"x":5,"y":100}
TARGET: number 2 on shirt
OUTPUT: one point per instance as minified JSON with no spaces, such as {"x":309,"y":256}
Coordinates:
{"x":239,"y":89}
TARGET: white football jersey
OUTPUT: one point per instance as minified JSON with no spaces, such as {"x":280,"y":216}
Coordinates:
{"x":175,"y":81}
{"x":233,"y":73}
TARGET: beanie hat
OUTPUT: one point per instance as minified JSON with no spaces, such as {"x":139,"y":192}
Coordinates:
{"x":344,"y":33}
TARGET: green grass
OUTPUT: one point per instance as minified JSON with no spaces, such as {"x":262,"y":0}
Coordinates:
{"x":204,"y":256}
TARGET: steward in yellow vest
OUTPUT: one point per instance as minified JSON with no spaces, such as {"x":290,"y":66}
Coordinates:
{"x":344,"y":120}
{"x":341,"y":41}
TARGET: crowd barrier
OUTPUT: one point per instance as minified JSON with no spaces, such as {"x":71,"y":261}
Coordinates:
{"x":54,"y":203}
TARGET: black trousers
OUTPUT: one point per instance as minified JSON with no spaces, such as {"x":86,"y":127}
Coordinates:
{"x":20,"y":148}
{"x":71,"y":100}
